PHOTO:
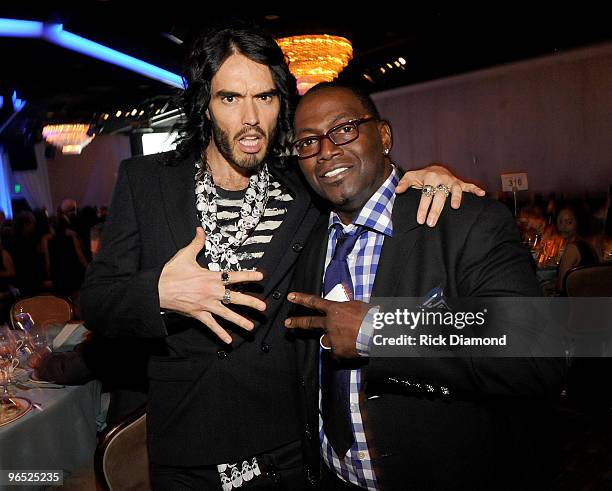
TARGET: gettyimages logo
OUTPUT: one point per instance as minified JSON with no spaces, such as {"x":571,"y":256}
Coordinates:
{"x":517,"y":327}
{"x":433,"y":311}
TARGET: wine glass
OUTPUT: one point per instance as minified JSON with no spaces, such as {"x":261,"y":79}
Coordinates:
{"x":38,"y":341}
{"x":24,"y":321}
{"x":8,"y":362}
{"x":35,"y":336}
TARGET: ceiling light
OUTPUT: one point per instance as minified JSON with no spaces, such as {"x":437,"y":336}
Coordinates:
{"x":55,"y":34}
{"x":315,"y":58}
{"x":173,"y":38}
{"x":70,"y":138}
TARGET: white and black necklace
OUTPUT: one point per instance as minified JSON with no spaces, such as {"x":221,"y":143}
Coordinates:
{"x":221,"y":245}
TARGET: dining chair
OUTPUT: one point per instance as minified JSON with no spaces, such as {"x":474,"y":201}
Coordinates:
{"x":44,"y":309}
{"x":589,"y":281}
{"x":589,"y":370}
{"x":121,"y":460}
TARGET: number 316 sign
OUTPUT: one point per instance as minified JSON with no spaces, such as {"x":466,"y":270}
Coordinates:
{"x":514,"y":182}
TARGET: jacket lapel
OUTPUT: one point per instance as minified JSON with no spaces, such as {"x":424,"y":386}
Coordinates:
{"x":178,"y":195}
{"x":397,"y":250}
{"x":314,"y":263}
{"x":289,"y":238}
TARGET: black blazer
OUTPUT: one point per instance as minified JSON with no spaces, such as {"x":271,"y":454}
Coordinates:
{"x":476,"y":430}
{"x":208,"y":404}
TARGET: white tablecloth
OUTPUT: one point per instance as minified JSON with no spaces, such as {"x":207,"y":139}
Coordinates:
{"x":61,"y":436}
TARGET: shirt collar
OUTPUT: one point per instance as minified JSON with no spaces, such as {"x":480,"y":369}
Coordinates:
{"x":376,"y":213}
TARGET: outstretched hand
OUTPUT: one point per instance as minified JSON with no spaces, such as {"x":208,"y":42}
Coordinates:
{"x":340,"y":321}
{"x":185,"y":287}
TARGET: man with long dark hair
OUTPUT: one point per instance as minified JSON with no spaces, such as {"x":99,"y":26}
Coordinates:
{"x":223,"y":408}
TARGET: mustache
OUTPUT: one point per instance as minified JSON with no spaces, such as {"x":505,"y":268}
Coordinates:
{"x":250,"y":130}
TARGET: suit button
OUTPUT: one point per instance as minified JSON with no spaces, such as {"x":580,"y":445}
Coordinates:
{"x":274,"y":476}
{"x":221,"y":354}
{"x":265,"y":348}
{"x":297,"y":247}
{"x":312,"y":480}
{"x":277,"y":295}
{"x":308,"y":432}
{"x":302,"y":381}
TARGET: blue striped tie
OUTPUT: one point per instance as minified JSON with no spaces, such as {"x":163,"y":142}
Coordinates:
{"x":335,"y":380}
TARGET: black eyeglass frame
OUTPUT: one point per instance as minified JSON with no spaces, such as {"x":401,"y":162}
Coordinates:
{"x":352,"y":122}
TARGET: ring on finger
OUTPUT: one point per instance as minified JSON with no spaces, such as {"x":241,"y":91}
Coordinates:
{"x":428,"y":190}
{"x":227,"y":297}
{"x":328,"y":348}
{"x":225,"y":278}
{"x":443,"y":188}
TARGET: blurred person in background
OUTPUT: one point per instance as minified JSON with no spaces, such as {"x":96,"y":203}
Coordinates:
{"x":94,"y":239}
{"x":102,"y":213}
{"x":578,"y":251}
{"x":26,"y":249}
{"x":7,"y":280}
{"x":67,"y":261}
{"x":567,"y":224}
{"x":67,"y":211}
{"x":86,"y":220}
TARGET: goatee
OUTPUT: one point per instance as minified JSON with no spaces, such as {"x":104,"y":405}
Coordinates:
{"x":249,"y":162}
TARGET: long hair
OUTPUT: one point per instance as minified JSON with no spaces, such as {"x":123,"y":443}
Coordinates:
{"x":207,"y":54}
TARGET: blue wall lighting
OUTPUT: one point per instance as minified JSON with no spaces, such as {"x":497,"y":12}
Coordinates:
{"x":55,"y":34}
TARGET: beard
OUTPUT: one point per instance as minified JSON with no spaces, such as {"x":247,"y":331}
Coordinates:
{"x":246,"y":161}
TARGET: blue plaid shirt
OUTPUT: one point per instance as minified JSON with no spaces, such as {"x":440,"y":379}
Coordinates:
{"x":356,"y":465}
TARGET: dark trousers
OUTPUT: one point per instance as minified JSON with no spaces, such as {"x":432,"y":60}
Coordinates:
{"x":281,"y":469}
{"x":331,"y":482}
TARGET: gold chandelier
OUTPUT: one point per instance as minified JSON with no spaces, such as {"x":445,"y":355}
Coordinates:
{"x":315,"y":58}
{"x":70,"y":138}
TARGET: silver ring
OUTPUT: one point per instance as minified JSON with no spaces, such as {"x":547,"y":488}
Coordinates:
{"x":225,"y":278}
{"x":328,"y":348}
{"x":443,"y":188}
{"x":227,"y":297}
{"x":428,"y":190}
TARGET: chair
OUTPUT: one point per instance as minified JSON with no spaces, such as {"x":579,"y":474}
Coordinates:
{"x":45,"y":310}
{"x":589,"y":281}
{"x":590,"y":369}
{"x":121,"y":460}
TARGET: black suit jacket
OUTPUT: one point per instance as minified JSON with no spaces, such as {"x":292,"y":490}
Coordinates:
{"x":208,"y":404}
{"x":476,"y":430}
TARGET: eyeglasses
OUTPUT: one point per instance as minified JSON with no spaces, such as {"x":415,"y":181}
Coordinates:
{"x":339,"y":135}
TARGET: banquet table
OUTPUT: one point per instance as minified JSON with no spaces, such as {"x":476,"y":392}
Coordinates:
{"x":58,"y":435}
